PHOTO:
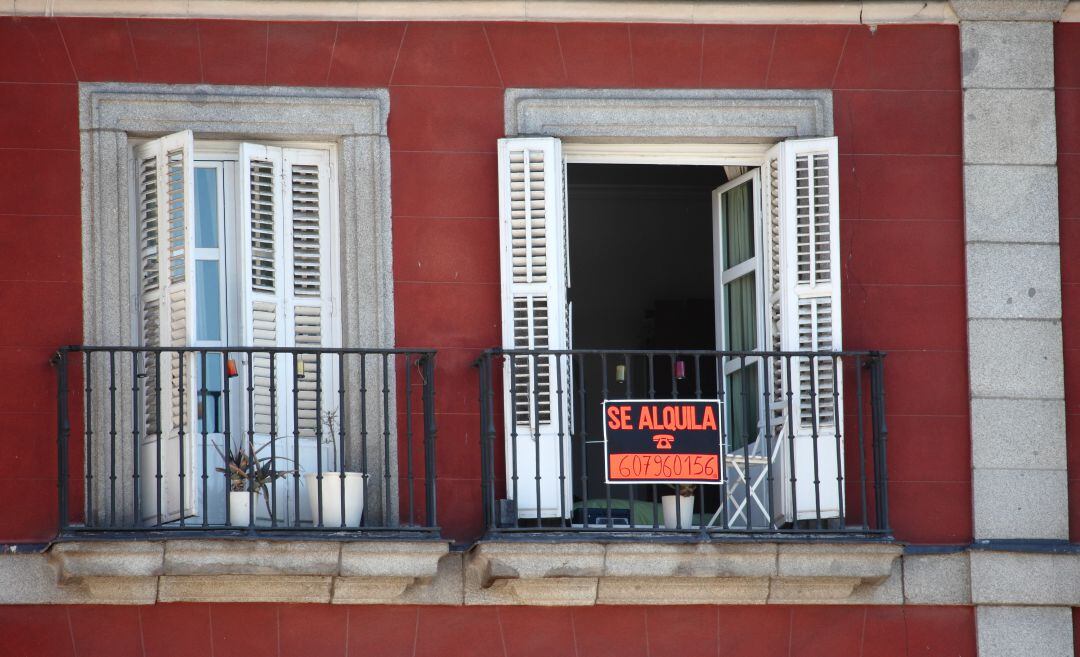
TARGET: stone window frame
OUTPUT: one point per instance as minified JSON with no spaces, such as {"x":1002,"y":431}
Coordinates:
{"x":354,"y":120}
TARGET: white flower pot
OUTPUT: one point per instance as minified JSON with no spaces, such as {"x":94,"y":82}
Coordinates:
{"x":239,"y":508}
{"x":685,"y":511}
{"x":331,"y":498}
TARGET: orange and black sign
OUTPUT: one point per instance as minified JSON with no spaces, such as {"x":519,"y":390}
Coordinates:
{"x":663,"y":441}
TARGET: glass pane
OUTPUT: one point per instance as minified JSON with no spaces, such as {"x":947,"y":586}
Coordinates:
{"x":210,"y":413}
{"x":738,"y":216}
{"x":207,"y":300}
{"x":743,"y":395}
{"x":740,"y":319}
{"x":206,"y":208}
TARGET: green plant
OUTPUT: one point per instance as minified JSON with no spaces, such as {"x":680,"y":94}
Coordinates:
{"x":250,"y":474}
{"x":684,"y":490}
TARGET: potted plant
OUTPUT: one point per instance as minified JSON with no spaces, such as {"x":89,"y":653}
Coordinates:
{"x":331,"y":485}
{"x":249,"y":476}
{"x":683,"y":518}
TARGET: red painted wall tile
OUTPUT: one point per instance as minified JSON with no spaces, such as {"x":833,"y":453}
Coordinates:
{"x":106,"y":631}
{"x":685,"y":631}
{"x":443,"y":184}
{"x":100,"y":48}
{"x":666,"y":55}
{"x":24,"y":258}
{"x":251,"y":629}
{"x":902,"y":253}
{"x":33,"y":630}
{"x":39,"y":116}
{"x":597,"y":55}
{"x":805,"y":56}
{"x":826,"y":631}
{"x":540,"y":64}
{"x":299,"y":54}
{"x":900,"y":57}
{"x":312,"y":631}
{"x":39,"y":181}
{"x":736,"y":56}
{"x":166,"y":51}
{"x":382,"y":630}
{"x":537,"y":631}
{"x":446,"y":250}
{"x":175,"y":629}
{"x":1066,"y":55}
{"x":755,"y":631}
{"x":446,"y":632}
{"x":365,"y":54}
{"x":233,"y":52}
{"x":430,"y":118}
{"x":890,"y":187}
{"x":610,"y":631}
{"x":33,"y":50}
{"x":899,"y":122}
{"x":455,"y":54}
{"x":931,"y":511}
{"x":940,"y":631}
{"x":902,"y":317}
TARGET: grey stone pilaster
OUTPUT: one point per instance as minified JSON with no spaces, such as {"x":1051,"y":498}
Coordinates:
{"x":1016,"y":362}
{"x":1013,"y":269}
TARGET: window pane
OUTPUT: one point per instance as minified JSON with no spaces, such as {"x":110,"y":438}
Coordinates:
{"x":742,"y":398}
{"x":213,"y":379}
{"x":738,"y":214}
{"x":206,"y":208}
{"x":207,"y":300}
{"x":740,"y":318}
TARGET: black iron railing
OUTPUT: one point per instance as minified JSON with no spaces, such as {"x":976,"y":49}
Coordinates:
{"x":246,"y":440}
{"x":803,"y":436}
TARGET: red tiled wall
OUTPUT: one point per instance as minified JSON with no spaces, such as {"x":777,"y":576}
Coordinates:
{"x":897,"y":113}
{"x":334,"y":631}
{"x":1067,"y":79}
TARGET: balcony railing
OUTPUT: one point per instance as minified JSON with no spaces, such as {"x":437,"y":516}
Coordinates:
{"x":803,"y":436}
{"x":242,"y":440}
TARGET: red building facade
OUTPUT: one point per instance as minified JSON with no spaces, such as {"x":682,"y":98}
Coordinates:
{"x":898,"y":103}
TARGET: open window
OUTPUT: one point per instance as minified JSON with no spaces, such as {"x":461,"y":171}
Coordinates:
{"x":236,"y":247}
{"x":667,"y":258}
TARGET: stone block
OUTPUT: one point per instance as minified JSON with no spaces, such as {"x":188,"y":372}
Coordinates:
{"x":1014,"y":578}
{"x":1021,"y":631}
{"x":861,"y":562}
{"x":35,"y":579}
{"x":1008,"y":10}
{"x":246,"y":557}
{"x":546,"y":592}
{"x":107,"y":559}
{"x":1015,"y":358}
{"x":392,"y":558}
{"x":690,"y":560}
{"x":1007,"y":54}
{"x":682,"y":590}
{"x":1013,"y":281}
{"x":1018,"y":503}
{"x":244,"y":588}
{"x":937,"y":579}
{"x":512,"y":560}
{"x":1017,"y":433}
{"x":1011,"y":203}
{"x":370,"y":590}
{"x":812,"y":590}
{"x":1009,"y":126}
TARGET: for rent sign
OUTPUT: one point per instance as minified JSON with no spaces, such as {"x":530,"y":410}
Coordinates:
{"x":663,"y":441}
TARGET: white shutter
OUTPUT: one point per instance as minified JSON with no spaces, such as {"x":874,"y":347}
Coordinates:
{"x":164,"y":192}
{"x":533,"y":247}
{"x":310,"y":274}
{"x":290,"y":295}
{"x":264,"y":280}
{"x":804,"y":311}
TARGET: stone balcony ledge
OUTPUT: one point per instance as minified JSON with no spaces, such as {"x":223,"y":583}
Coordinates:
{"x":544,"y":573}
{"x":222,"y":570}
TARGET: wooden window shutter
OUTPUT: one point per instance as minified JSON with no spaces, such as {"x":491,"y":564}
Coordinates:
{"x":164,"y":184}
{"x":532,"y":229}
{"x":804,"y":315}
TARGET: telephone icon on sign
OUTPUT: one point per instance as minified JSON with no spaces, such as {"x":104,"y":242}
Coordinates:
{"x":663,"y":440}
